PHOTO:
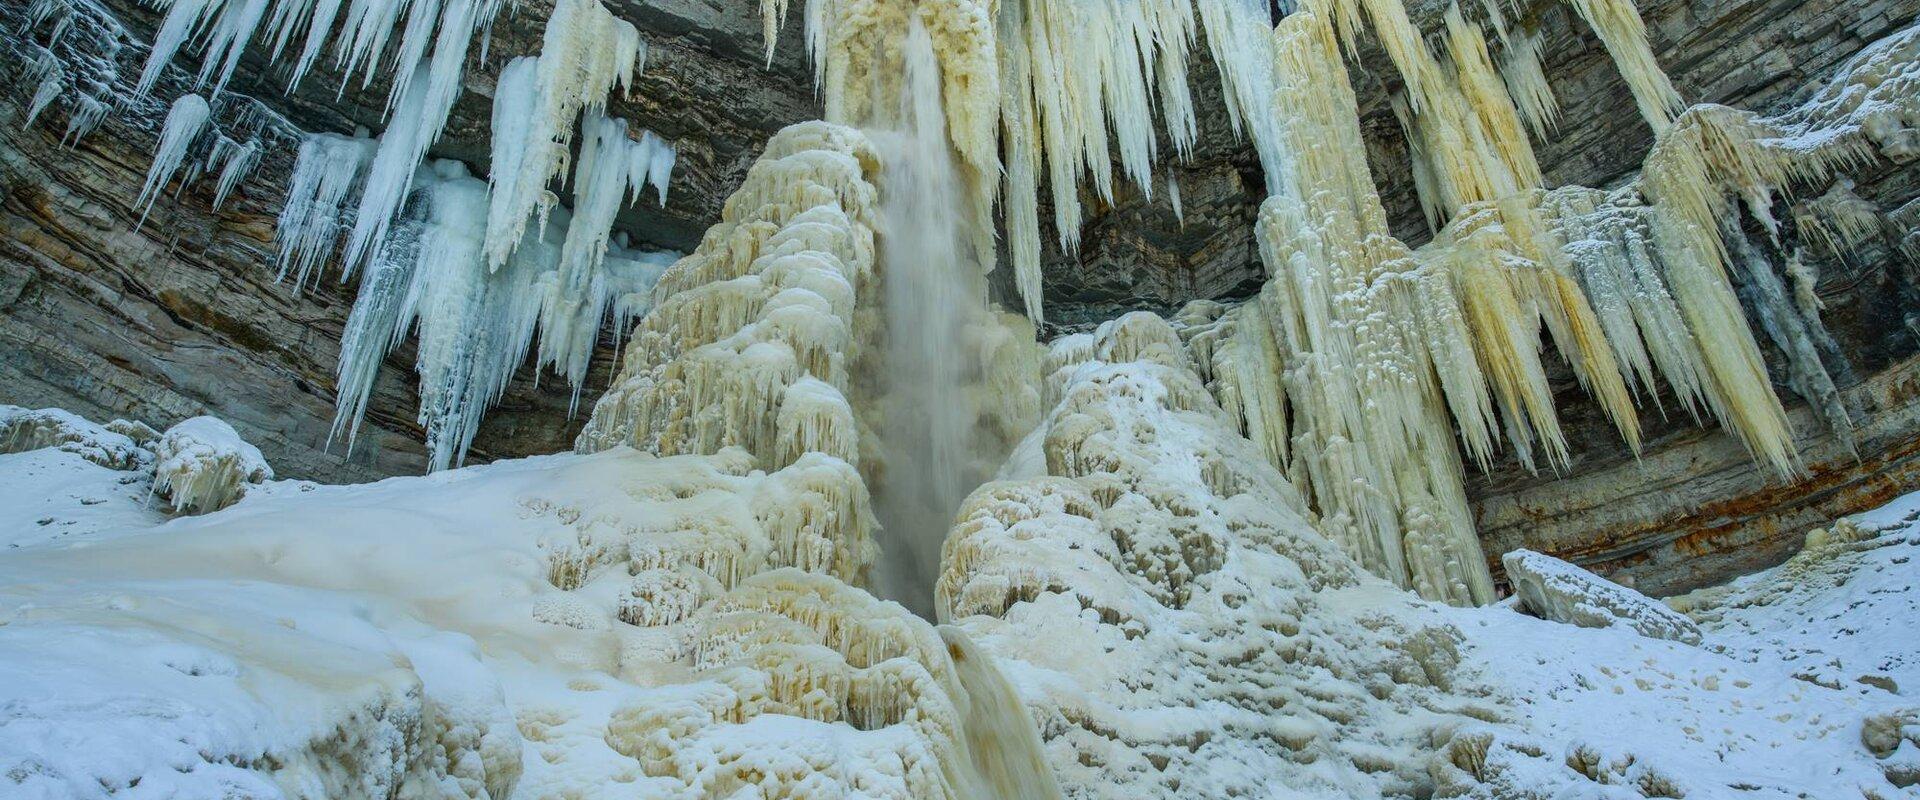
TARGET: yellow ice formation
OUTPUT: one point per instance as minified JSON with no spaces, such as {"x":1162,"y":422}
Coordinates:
{"x":1053,"y":85}
{"x":1332,"y":339}
{"x":1337,"y":366}
{"x":752,"y":337}
{"x":1139,"y":526}
{"x":1354,"y":366}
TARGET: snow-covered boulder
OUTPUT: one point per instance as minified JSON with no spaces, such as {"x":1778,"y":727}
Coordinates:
{"x":1556,"y":590}
{"x":205,"y":466}
{"x":115,"y":445}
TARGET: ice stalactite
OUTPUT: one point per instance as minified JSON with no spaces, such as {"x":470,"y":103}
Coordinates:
{"x":1526,"y":79}
{"x":1330,"y":344}
{"x":416,"y":230}
{"x":76,"y":67}
{"x":475,"y":325}
{"x":1622,"y":32}
{"x":586,"y":52}
{"x":612,"y":172}
{"x":185,"y":121}
{"x":1798,"y":334}
{"x":1629,"y":285}
{"x":425,"y":65}
{"x":232,"y":161}
{"x":49,"y":80}
{"x":326,"y":172}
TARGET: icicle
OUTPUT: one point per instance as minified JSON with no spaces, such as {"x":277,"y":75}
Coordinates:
{"x":1802,"y":338}
{"x":236,"y":161}
{"x":1619,"y":27}
{"x":1526,"y":79}
{"x":185,"y":120}
{"x":612,"y":171}
{"x":39,"y":11}
{"x":87,"y":115}
{"x":476,"y":325}
{"x":1173,"y":196}
{"x":50,"y":79}
{"x":325,"y":172}
{"x":586,"y":52}
{"x":398,"y":152}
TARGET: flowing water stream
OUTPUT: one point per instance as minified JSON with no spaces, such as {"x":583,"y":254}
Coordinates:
{"x":933,"y":288}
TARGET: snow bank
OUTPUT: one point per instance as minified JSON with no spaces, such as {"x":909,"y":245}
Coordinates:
{"x":1556,"y":590}
{"x":542,"y":627}
{"x":203,"y":465}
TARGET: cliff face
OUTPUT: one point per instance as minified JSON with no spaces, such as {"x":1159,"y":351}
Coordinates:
{"x":181,"y":316}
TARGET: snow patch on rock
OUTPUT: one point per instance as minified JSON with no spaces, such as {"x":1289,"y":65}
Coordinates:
{"x":1556,"y":590}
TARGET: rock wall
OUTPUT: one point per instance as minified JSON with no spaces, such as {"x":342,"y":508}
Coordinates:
{"x":182,"y":316}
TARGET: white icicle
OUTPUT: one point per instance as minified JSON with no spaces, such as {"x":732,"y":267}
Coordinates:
{"x":235,"y":162}
{"x":185,"y":121}
{"x":52,"y":80}
{"x":586,"y":53}
{"x":328,"y":168}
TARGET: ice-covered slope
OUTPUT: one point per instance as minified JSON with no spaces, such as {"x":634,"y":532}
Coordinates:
{"x":565,"y":624}
{"x":578,"y":625}
{"x":1179,"y":630}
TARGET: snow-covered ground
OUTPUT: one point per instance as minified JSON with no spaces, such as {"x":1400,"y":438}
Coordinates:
{"x":416,"y":636}
{"x":1770,"y":705}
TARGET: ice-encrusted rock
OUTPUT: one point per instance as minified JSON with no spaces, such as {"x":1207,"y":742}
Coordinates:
{"x":1556,"y":590}
{"x":115,"y":445}
{"x":204,"y":465}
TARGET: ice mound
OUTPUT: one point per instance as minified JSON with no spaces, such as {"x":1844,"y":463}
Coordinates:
{"x":203,"y":465}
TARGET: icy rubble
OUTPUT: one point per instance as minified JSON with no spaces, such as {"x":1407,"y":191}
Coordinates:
{"x":1556,"y":590}
{"x":202,"y":465}
{"x":199,"y":465}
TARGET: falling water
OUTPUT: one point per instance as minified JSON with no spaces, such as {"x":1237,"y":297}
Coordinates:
{"x":932,"y":289}
{"x":1008,"y":761}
